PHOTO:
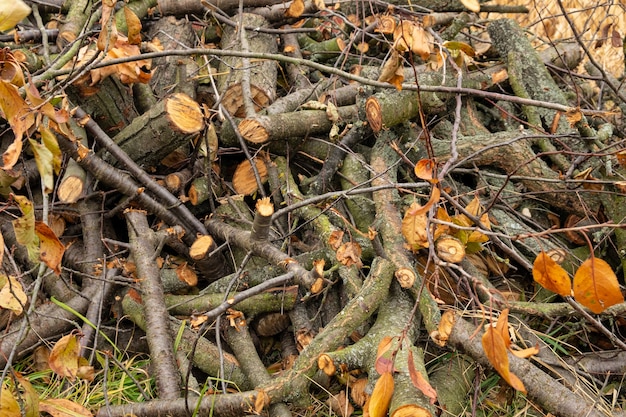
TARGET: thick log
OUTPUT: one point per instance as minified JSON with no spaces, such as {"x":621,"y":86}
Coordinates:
{"x":110,"y":103}
{"x":240,"y":75}
{"x":168,"y":125}
{"x":174,"y":73}
{"x":297,"y":124}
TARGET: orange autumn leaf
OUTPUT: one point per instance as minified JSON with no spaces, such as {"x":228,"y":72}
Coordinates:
{"x":502,"y":327}
{"x":497,"y":354}
{"x":420,"y":382}
{"x":425,"y":170}
{"x":51,"y":250}
{"x":596,"y":286}
{"x":381,"y":396}
{"x":551,"y":275}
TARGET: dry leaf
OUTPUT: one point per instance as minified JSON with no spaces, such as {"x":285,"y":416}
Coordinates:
{"x":414,"y":228}
{"x":596,"y":286}
{"x":425,"y":170}
{"x":340,"y":405}
{"x":20,"y":117}
{"x":8,"y":405}
{"x":420,"y":382}
{"x":349,"y":254}
{"x":357,"y":393}
{"x":384,"y":358}
{"x":63,"y":359}
{"x":261,"y":401}
{"x":59,"y":407}
{"x":12,"y":295}
{"x":335,"y":239}
{"x":381,"y":396}
{"x":497,"y":353}
{"x":134,"y":26}
{"x":51,"y":250}
{"x":390,"y":69}
{"x":29,"y":397}
{"x":441,"y":335}
{"x":551,"y":275}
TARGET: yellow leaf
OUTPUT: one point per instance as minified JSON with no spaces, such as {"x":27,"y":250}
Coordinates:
{"x":381,"y":396}
{"x":551,"y":275}
{"x":496,"y":352}
{"x":596,"y":286}
{"x":460,"y":46}
{"x":134,"y":26}
{"x":12,"y":296}
{"x":8,"y":405}
{"x":11,"y":13}
{"x":63,"y":358}
{"x":29,"y":396}
{"x":43,"y":159}
{"x":50,"y":142}
{"x":414,"y":228}
{"x":24,"y":228}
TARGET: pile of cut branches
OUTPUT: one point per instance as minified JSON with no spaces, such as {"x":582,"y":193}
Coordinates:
{"x":308,"y":208}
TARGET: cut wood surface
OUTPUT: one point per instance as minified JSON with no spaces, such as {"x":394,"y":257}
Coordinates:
{"x":310,"y":208}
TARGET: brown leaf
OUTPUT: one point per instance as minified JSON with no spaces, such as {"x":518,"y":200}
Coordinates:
{"x":340,"y":405}
{"x":596,"y":286}
{"x":551,"y":275}
{"x":63,"y":358}
{"x":349,"y":254}
{"x":388,"y":72}
{"x":496,"y":352}
{"x":421,"y":42}
{"x":419,"y":381}
{"x":381,"y":396}
{"x":335,"y":239}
